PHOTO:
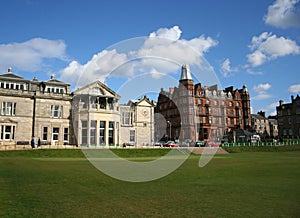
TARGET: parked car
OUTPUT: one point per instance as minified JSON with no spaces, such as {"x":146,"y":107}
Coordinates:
{"x":160,"y":144}
{"x":126,"y":144}
{"x":171,"y":144}
{"x":213,"y":144}
{"x":199,"y":144}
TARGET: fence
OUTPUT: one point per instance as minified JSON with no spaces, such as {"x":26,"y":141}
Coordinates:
{"x":291,"y":142}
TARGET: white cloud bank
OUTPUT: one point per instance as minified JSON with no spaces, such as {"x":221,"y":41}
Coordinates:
{"x":283,"y":14}
{"x":154,"y":55}
{"x":226,"y":69}
{"x":30,"y":55}
{"x":268,"y":46}
{"x":261,"y":90}
{"x":294,"y":88}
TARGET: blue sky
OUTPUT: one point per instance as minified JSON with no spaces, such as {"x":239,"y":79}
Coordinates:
{"x":256,"y":43}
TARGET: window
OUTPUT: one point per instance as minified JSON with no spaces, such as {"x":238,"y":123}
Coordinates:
{"x":8,"y":108}
{"x":132,"y":136}
{"x":111,"y":132}
{"x":56,"y":111}
{"x":200,"y":110}
{"x":237,"y":104}
{"x":199,"y":101}
{"x":93,"y":132}
{"x":216,"y":103}
{"x":7,"y":132}
{"x":126,"y":118}
{"x":145,"y":124}
{"x":66,"y":134}
{"x":45,"y":133}
{"x":55,"y":133}
{"x":102,"y":132}
{"x":230,"y":104}
{"x":83,"y":132}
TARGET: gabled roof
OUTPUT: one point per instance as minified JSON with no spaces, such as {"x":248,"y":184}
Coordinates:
{"x":140,"y":101}
{"x":11,"y":76}
{"x":55,"y":82}
{"x":89,"y":90}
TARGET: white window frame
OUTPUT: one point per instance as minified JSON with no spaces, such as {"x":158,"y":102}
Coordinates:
{"x":56,"y":111}
{"x":8,"y":108}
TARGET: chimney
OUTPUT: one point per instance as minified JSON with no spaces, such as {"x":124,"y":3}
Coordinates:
{"x":292,"y":97}
{"x":281,"y":102}
{"x":52,"y":76}
{"x":9,"y":70}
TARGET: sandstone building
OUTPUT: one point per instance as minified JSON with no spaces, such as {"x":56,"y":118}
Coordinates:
{"x":32,"y":108}
{"x":89,"y":116}
{"x":137,"y":122}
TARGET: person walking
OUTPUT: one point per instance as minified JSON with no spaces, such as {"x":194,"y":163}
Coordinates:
{"x":39,"y":143}
{"x":32,"y":143}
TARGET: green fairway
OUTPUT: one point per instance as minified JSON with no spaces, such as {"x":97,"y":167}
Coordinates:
{"x":62,"y":183}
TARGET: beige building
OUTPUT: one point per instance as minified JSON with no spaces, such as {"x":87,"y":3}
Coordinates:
{"x":260,"y":124}
{"x":137,"y":122}
{"x":32,"y":108}
{"x":90,"y":116}
{"x":96,"y":115}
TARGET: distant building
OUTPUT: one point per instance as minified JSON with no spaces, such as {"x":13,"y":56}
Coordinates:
{"x":32,"y":108}
{"x":260,"y":124}
{"x":289,"y":118}
{"x":137,"y":122}
{"x":273,"y":122}
{"x":193,"y":112}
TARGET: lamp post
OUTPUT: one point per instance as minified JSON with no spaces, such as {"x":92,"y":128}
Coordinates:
{"x":169,"y":122}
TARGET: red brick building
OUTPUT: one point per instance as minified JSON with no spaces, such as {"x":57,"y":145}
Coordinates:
{"x":204,"y":113}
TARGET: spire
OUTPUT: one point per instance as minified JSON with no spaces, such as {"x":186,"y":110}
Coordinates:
{"x":185,"y":72}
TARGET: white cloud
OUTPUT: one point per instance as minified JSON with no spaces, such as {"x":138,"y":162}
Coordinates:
{"x":294,"y":88}
{"x":226,"y":69}
{"x":162,"y":51}
{"x":172,"y":34}
{"x":30,"y":55}
{"x":261,"y":90}
{"x":98,"y":68}
{"x":283,"y":14}
{"x":267,"y":47}
{"x":252,"y":72}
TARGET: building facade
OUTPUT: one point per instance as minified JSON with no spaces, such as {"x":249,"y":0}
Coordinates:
{"x":89,"y":116}
{"x":260,"y":124}
{"x":137,"y":122}
{"x":32,"y":108}
{"x":95,"y":115}
{"x":288,"y":116}
{"x":193,"y":112}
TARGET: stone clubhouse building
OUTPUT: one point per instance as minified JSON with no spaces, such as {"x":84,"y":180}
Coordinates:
{"x":89,"y":116}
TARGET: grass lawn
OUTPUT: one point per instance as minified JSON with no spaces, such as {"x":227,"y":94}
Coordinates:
{"x":62,"y":183}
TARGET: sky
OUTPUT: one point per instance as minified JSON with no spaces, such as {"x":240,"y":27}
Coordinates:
{"x":137,"y":47}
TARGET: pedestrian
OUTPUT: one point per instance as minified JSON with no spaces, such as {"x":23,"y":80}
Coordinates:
{"x":32,"y":143}
{"x":39,"y":143}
